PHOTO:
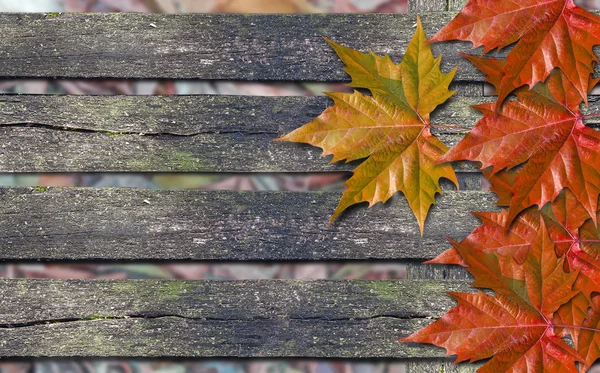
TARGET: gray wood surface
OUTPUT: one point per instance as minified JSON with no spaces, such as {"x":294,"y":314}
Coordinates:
{"x":359,"y":319}
{"x":176,"y":133}
{"x":271,"y":318}
{"x":441,"y":366}
{"x":208,"y":46}
{"x":135,"y":224}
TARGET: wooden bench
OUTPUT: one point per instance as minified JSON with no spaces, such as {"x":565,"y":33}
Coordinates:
{"x":147,"y":318}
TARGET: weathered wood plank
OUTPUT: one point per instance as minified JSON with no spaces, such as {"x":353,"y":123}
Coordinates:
{"x":207,"y":46}
{"x":175,"y":133}
{"x":182,"y":133}
{"x":422,"y":6}
{"x":358,"y":319}
{"x":236,"y":47}
{"x":133,"y":224}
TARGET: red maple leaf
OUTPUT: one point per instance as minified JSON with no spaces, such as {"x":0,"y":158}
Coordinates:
{"x":492,"y":254}
{"x":547,"y":33}
{"x":515,"y":329}
{"x":543,"y":130}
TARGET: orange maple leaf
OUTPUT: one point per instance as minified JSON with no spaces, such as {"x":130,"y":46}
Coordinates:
{"x":391,"y":128}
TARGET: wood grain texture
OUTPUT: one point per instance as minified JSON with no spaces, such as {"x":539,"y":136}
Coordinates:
{"x":441,"y":366}
{"x":175,"y":133}
{"x":135,"y":224}
{"x":208,"y":46}
{"x":286,"y":318}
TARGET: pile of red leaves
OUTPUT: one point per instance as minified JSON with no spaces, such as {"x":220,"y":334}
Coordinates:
{"x":541,"y":256}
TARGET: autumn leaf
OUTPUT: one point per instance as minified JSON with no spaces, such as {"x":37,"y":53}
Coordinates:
{"x":541,"y":257}
{"x":493,"y":254}
{"x":508,"y":267}
{"x":514,"y":329}
{"x":513,"y":335}
{"x":581,"y":247}
{"x":492,"y":236}
{"x":581,"y":319}
{"x":570,"y":228}
{"x":548,"y":34}
{"x":548,"y":285}
{"x":545,"y":133}
{"x":391,"y":128}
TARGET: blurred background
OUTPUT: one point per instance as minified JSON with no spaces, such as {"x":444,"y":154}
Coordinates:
{"x":194,"y":271}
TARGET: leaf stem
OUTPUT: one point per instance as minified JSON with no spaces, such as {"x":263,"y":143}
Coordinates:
{"x":590,"y":116}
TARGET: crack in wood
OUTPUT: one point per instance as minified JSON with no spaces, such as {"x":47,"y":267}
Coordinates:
{"x":136,"y":133}
{"x":152,"y":316}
